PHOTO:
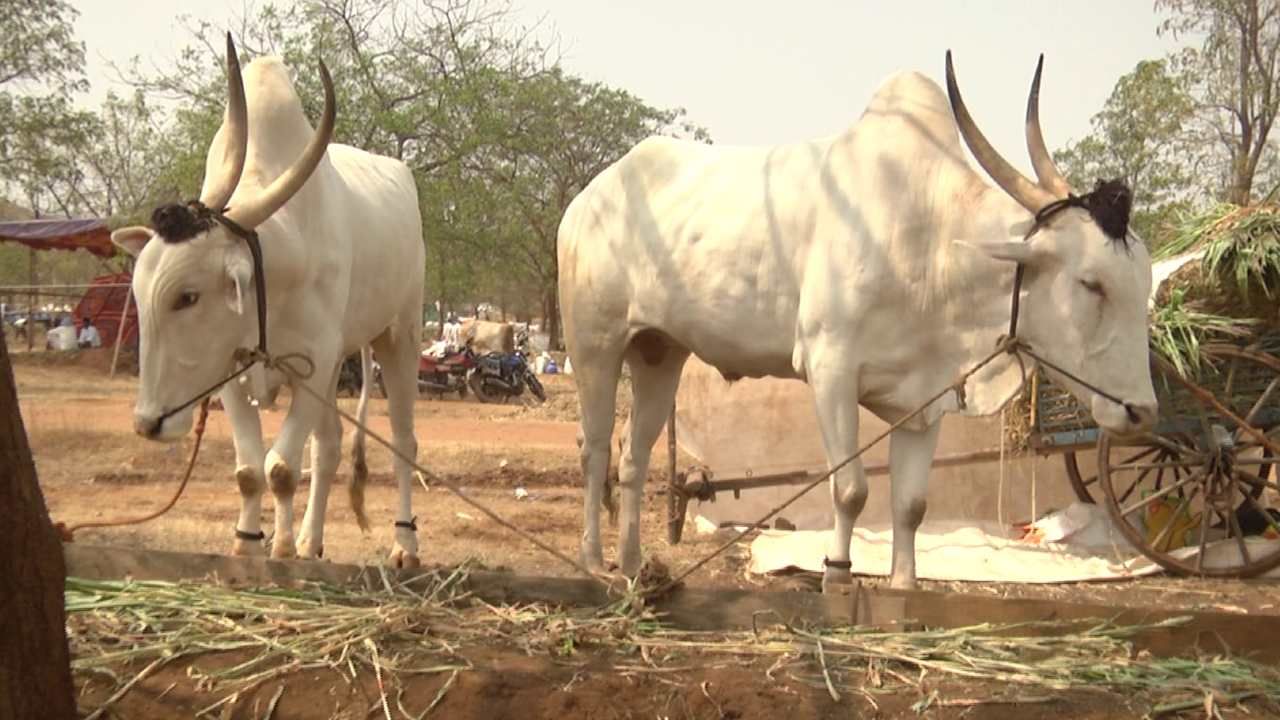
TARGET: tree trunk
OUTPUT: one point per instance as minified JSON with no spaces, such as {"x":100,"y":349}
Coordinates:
{"x":552,"y":305}
{"x":35,"y":664}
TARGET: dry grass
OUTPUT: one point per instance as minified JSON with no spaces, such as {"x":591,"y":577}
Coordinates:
{"x":423,"y":626}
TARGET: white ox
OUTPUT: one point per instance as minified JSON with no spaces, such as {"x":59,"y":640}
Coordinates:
{"x":343,"y":261}
{"x":876,"y":265}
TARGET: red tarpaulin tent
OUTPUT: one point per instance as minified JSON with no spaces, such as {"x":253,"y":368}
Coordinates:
{"x":87,"y":234}
{"x":104,"y":303}
{"x":107,"y":306}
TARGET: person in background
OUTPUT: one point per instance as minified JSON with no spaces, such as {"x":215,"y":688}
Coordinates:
{"x":451,"y":331}
{"x":89,"y":337}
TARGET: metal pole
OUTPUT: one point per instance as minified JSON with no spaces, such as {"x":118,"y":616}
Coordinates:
{"x":31,"y":301}
{"x":124,"y":318}
{"x":675,"y":518}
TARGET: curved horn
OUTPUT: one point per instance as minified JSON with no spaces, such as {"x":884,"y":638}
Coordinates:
{"x":1041,"y":160}
{"x":255,"y":210}
{"x":1028,"y":194}
{"x":237,"y":138}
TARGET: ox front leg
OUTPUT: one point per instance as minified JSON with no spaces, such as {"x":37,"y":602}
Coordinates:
{"x":284,"y":461}
{"x":837,"y":404}
{"x":246,"y":434}
{"x":910,"y":457}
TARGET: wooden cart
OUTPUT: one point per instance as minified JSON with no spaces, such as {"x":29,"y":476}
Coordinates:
{"x":1194,"y":495}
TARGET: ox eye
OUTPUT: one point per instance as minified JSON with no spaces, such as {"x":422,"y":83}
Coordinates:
{"x":1094,"y":287}
{"x":186,"y":300}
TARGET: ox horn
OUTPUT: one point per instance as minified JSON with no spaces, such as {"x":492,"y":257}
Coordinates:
{"x":237,"y":137}
{"x":1028,"y":194}
{"x":255,"y":210}
{"x":1046,"y":171}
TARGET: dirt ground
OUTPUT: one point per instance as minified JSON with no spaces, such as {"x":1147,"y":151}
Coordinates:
{"x":509,"y":685}
{"x":92,"y":467}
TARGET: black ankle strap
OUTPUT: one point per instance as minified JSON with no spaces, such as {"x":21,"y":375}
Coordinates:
{"x":411,"y":525}
{"x":838,"y":564}
{"x":242,"y":535}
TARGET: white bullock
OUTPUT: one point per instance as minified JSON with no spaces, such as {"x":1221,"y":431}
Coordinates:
{"x":876,"y":265}
{"x":343,"y":260}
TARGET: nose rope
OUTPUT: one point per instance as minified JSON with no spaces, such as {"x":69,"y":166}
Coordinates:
{"x":1013,"y":343}
{"x":247,"y":358}
{"x":1129,"y":410}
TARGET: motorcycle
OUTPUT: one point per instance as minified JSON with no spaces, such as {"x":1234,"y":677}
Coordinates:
{"x":351,"y":377}
{"x":497,"y":377}
{"x":440,"y":375}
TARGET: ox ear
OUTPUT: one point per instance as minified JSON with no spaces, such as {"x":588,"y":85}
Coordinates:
{"x":239,"y":268}
{"x":1010,"y":250}
{"x":132,"y":239}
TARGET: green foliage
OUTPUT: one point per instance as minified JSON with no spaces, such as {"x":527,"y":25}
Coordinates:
{"x":1139,"y":137}
{"x":1242,"y":246}
{"x":39,"y":45}
{"x":1177,"y":332}
{"x":499,"y":137}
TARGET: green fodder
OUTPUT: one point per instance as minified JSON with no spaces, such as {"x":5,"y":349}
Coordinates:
{"x":1177,"y":331}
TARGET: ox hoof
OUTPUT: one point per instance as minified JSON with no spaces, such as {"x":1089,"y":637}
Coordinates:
{"x":902,"y":583}
{"x":629,"y":567}
{"x":251,"y":548}
{"x":402,"y":559}
{"x":308,"y":550}
{"x":836,"y":581}
{"x":282,"y":548}
{"x":593,"y":560}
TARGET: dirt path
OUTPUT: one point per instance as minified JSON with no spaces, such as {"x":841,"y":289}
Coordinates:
{"x":92,"y":467}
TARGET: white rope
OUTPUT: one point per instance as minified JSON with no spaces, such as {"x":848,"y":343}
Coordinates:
{"x":1000,"y":486}
{"x":1034,"y":516}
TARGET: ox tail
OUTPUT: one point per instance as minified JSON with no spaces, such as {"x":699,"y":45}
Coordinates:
{"x":360,"y":468}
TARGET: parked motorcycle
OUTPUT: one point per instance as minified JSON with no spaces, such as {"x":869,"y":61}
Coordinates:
{"x":498,"y":377}
{"x":438,"y":376}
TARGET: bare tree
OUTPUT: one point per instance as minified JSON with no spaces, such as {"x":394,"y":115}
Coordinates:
{"x":1233,"y":75}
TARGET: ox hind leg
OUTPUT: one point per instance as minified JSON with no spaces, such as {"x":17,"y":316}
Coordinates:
{"x":595,"y":372}
{"x":246,"y":435}
{"x":655,"y":375}
{"x":397,"y":350}
{"x":910,"y":457}
{"x":326,"y":453}
{"x":836,"y":394}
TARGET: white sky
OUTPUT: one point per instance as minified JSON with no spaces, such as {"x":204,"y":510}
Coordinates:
{"x":768,"y":72}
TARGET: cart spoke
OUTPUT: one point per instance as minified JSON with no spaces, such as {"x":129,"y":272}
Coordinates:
{"x":1141,"y":476}
{"x":1258,"y":461}
{"x":1255,"y":480}
{"x":1204,"y":537}
{"x":1160,"y":465}
{"x":1173,"y":519}
{"x":1234,"y":525}
{"x":1174,"y":447}
{"x":1231,"y":377}
{"x":1161,"y":493}
{"x":1262,"y":400}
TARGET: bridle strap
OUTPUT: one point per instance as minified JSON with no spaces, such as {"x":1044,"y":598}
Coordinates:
{"x":1042,"y":218}
{"x":250,"y":238}
{"x":1015,"y":345}
{"x":247,"y":359}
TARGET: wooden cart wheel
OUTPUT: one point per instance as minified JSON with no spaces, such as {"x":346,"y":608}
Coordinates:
{"x":1084,"y":486}
{"x":1199,"y":483}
